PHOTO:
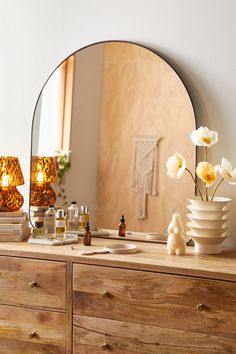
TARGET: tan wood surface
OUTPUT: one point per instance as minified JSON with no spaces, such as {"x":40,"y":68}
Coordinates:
{"x":156,"y":299}
{"x":90,"y":334}
{"x":31,"y":282}
{"x":16,"y":324}
{"x":151,"y":257}
{"x":69,"y":309}
{"x":142,"y":96}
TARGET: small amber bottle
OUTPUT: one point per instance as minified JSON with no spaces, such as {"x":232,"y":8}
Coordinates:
{"x":87,"y":236}
{"x":122,"y":227}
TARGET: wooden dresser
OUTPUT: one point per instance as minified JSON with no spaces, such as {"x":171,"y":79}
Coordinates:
{"x":54,"y":301}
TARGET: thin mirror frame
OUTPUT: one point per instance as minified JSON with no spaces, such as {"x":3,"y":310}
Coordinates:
{"x":81,"y":49}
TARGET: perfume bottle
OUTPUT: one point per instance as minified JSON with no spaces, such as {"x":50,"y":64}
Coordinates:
{"x":87,"y":236}
{"x":50,"y":222}
{"x":85,"y":210}
{"x":60,"y":224}
{"x":38,"y":230}
{"x":122,"y":227}
{"x":72,"y":217}
{"x":81,"y":219}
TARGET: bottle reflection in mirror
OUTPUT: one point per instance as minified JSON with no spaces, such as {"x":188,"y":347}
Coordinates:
{"x":50,"y":222}
{"x":122,"y":227}
{"x":60,"y":224}
{"x":72,"y":217}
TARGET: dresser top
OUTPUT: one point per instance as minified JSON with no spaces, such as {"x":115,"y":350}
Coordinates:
{"x":150,"y":257}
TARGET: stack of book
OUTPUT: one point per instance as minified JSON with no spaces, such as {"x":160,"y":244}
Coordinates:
{"x":14,"y":226}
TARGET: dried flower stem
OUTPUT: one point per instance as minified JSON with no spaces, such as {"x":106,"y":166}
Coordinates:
{"x":205,"y":157}
{"x":216,"y":187}
{"x":206,"y":194}
{"x":186,"y":169}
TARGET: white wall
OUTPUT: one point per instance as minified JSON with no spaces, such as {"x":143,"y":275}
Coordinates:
{"x":197,"y":37}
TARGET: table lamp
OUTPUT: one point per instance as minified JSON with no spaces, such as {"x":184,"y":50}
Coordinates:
{"x":43,"y":172}
{"x":10,"y":177}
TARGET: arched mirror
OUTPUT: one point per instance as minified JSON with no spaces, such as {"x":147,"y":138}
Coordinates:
{"x":118,"y":111}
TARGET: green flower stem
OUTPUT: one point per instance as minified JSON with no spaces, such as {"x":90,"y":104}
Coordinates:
{"x":195,"y":183}
{"x":216,"y":187}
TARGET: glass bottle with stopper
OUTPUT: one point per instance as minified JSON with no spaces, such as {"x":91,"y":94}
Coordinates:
{"x":122,"y":227}
{"x":87,"y":236}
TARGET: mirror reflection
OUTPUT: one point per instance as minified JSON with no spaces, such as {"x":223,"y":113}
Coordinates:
{"x":111,"y":115}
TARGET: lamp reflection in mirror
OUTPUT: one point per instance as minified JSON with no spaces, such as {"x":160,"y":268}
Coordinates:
{"x":43,"y":172}
{"x":10,"y":177}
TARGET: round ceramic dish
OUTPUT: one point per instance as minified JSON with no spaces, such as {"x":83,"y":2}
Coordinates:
{"x":206,"y":232}
{"x":152,"y":236}
{"x":207,"y":223}
{"x":207,"y":245}
{"x":121,"y":248}
{"x":218,"y":204}
{"x":208,"y":214}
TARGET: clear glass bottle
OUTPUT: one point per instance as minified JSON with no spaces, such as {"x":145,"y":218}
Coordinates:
{"x":81,"y":219}
{"x":87,"y":236}
{"x":85,"y":211}
{"x":50,"y":222}
{"x":60,"y":224}
{"x":38,"y":230}
{"x":122,"y":227}
{"x":72,"y":217}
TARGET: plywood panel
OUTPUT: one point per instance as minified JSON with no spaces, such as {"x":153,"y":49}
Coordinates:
{"x":142,"y":96}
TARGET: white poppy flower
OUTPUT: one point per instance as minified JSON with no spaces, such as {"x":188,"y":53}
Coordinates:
{"x":175,"y":165}
{"x":204,"y":137}
{"x":206,"y":172}
{"x":226,"y":171}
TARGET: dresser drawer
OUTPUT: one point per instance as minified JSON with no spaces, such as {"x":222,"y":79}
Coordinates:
{"x":93,"y":335}
{"x":32,"y":282}
{"x":27,"y":331}
{"x":169,"y":301}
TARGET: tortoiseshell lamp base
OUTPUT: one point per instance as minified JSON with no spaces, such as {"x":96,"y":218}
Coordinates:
{"x":42,"y":194}
{"x":10,"y":199}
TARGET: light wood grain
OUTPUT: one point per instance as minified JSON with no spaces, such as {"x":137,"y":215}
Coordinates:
{"x":17,"y":323}
{"x":150,"y":257}
{"x":156,"y":299}
{"x":69,"y":308}
{"x":124,"y":338}
{"x":142,"y":96}
{"x":16,"y":275}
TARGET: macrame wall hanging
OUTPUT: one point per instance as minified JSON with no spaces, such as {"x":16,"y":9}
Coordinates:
{"x":145,"y":170}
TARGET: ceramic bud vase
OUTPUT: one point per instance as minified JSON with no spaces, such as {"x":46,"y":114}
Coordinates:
{"x":208,"y":224}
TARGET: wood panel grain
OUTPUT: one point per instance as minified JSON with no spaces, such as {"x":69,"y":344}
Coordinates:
{"x":156,"y":299}
{"x":17,"y":323}
{"x":124,"y":338}
{"x":142,"y":96}
{"x":16,"y":274}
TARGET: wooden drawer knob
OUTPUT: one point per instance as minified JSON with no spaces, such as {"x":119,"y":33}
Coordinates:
{"x":201,"y":307}
{"x":104,"y":346}
{"x":32,"y":335}
{"x":105,"y":294}
{"x":32,"y":284}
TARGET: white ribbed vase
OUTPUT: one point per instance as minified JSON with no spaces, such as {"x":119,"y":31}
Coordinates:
{"x":208,"y":224}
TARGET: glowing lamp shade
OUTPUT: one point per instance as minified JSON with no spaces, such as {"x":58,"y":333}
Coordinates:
{"x":43,"y":172}
{"x":10,"y":177}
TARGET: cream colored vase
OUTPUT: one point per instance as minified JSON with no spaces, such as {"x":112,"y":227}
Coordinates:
{"x":208,"y":224}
